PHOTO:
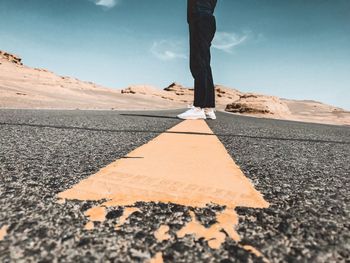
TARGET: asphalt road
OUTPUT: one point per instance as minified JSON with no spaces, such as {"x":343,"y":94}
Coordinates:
{"x":302,"y":169}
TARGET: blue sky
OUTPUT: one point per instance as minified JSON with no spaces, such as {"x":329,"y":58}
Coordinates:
{"x":293,"y":49}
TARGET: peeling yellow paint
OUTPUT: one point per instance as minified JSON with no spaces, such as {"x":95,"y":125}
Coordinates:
{"x":213,"y":234}
{"x":89,"y":225}
{"x":255,"y":252}
{"x":158,"y":258}
{"x":61,"y":201}
{"x":128,"y":211}
{"x":96,"y":214}
{"x":3,"y":232}
{"x":162,"y":233}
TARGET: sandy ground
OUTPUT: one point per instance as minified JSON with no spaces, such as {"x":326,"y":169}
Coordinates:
{"x":23,"y":87}
{"x":314,"y":111}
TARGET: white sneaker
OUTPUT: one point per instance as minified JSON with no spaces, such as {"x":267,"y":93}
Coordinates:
{"x":210,"y":113}
{"x":193,"y":113}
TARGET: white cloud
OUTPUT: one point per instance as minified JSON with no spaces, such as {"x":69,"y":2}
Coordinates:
{"x":226,"y":41}
{"x":106,"y":3}
{"x":168,"y":50}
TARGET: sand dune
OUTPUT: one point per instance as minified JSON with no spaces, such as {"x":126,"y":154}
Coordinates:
{"x":32,"y":88}
{"x":25,"y":87}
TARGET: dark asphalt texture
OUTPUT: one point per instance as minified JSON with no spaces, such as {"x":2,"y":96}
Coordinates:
{"x":302,"y":169}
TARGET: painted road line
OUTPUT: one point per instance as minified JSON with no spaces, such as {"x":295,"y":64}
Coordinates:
{"x":187,"y":165}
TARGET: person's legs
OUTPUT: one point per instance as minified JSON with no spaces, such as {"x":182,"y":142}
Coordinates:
{"x":210,"y":102}
{"x":202,"y":32}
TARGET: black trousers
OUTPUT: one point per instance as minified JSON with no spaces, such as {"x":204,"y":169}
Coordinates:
{"x":202,"y":30}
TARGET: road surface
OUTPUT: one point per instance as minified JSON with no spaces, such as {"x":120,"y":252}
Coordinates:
{"x":302,"y":170}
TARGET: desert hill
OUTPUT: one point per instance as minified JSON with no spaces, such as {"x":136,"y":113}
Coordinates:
{"x":33,"y":88}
